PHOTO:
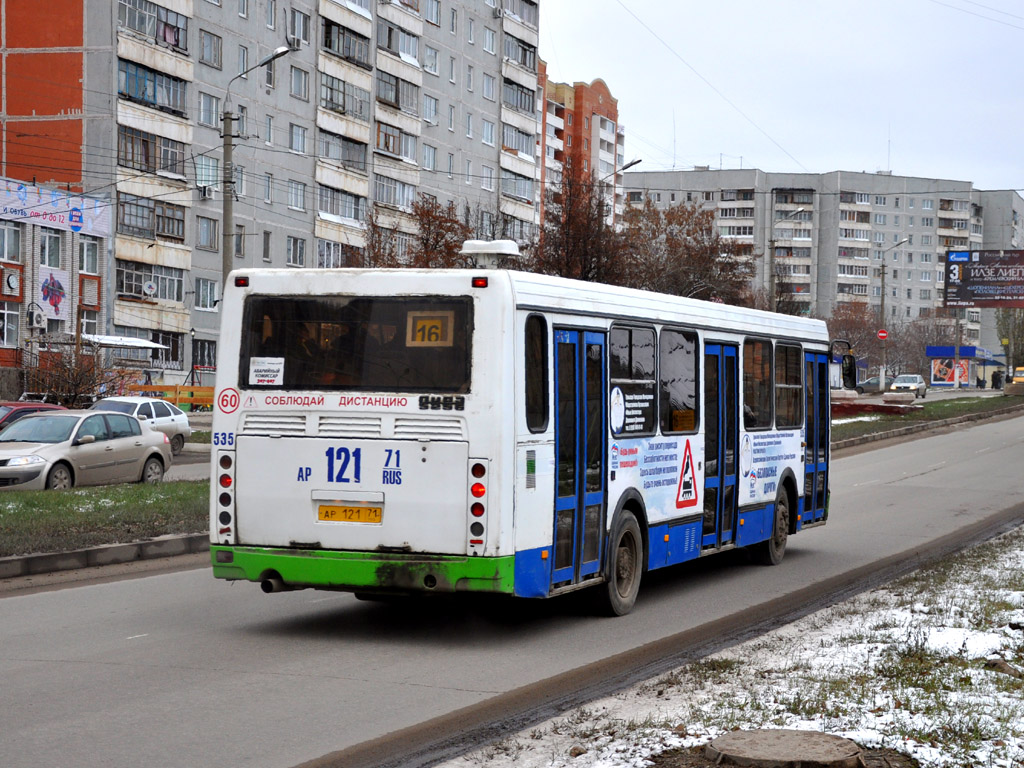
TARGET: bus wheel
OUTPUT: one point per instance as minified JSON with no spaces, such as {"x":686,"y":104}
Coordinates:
{"x":772,"y":551}
{"x":625,"y":566}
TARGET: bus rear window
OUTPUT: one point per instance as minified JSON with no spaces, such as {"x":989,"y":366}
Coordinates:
{"x":356,"y":343}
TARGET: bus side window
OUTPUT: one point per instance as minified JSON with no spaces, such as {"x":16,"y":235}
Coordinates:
{"x":757,"y":384}
{"x":631,"y":354}
{"x":788,"y":386}
{"x":678,"y":356}
{"x":536,"y":367}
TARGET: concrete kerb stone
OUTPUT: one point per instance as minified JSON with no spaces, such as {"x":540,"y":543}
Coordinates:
{"x":923,"y":427}
{"x":109,"y":554}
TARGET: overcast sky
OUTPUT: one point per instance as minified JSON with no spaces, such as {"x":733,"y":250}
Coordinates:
{"x":931,"y":88}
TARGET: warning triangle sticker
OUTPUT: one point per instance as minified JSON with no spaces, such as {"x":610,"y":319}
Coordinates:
{"x":686,"y":496}
{"x":250,"y":402}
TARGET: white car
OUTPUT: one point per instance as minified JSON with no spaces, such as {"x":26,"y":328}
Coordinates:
{"x":158,"y":414}
{"x":910,"y":382}
{"x":61,"y":449}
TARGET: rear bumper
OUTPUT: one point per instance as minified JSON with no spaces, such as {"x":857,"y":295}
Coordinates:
{"x":365,"y":571}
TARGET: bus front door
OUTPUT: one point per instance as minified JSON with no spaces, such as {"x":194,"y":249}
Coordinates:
{"x":721,"y":437}
{"x":816,"y":425}
{"x":580,"y":431}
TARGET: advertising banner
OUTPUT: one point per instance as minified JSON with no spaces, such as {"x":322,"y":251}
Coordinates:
{"x":943,"y":368}
{"x":985,"y":279}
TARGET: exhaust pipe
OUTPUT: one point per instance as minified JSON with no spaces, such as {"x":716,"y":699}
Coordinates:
{"x":273,"y":584}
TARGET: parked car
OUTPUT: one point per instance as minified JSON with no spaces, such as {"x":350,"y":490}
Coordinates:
{"x":13,"y":410}
{"x":1018,"y":375}
{"x":65,"y":448}
{"x":910,"y":382}
{"x":868,"y":385}
{"x":159,"y":414}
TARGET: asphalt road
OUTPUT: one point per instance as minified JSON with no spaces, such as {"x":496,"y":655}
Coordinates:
{"x":180,"y":669}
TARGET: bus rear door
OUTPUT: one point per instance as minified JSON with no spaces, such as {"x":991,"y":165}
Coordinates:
{"x":816,"y":391}
{"x":580,"y":429}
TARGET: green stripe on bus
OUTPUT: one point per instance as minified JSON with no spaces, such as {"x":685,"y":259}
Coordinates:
{"x":367,"y":570}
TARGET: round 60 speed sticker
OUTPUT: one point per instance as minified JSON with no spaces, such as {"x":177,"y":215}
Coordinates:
{"x":228,"y":400}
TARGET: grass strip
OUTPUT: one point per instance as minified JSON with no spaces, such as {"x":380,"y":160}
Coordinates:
{"x":49,"y":521}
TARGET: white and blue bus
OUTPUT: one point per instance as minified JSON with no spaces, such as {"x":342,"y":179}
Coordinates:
{"x":408,"y":431}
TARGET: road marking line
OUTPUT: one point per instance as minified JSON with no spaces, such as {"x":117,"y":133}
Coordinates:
{"x":136,"y":637}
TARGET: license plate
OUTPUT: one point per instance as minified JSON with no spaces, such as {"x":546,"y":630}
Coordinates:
{"x":335,"y":513}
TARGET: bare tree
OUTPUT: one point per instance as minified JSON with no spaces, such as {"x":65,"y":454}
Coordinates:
{"x":575,"y":240}
{"x":74,"y":375}
{"x":439,"y":237}
{"x":679,"y":250}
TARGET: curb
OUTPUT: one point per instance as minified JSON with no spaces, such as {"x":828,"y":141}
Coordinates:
{"x":108,"y":554}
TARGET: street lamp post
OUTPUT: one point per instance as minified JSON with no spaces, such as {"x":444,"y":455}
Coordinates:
{"x":228,"y":137}
{"x":881,"y":320}
{"x":600,"y":184}
{"x":772,"y":298}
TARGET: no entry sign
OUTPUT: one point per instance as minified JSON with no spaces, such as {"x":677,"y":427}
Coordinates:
{"x":883,"y":334}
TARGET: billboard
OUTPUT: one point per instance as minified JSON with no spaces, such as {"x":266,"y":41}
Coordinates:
{"x":985,"y":279}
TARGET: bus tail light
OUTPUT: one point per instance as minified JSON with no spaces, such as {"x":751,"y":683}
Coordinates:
{"x":477,"y":505}
{"x":225,"y":512}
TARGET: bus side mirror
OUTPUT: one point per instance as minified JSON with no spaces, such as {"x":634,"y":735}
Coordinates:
{"x":849,"y":372}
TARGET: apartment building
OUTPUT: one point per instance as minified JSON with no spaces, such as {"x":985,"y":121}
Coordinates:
{"x":834,"y":238}
{"x":581,"y":120}
{"x":374,"y":103}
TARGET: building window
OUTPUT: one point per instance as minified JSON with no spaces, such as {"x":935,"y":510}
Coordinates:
{"x":296,"y":195}
{"x":49,"y":247}
{"x":523,"y":54}
{"x":388,"y":191}
{"x":243,"y":8}
{"x":9,"y":321}
{"x":297,"y":138}
{"x":148,"y":152}
{"x":268,"y":188}
{"x":489,"y":38}
{"x":487,"y":133}
{"x":515,"y":140}
{"x":469,"y":172}
{"x":430,"y":58}
{"x":469,"y":77}
{"x":269,"y":76}
{"x":88,"y":255}
{"x":10,"y":241}
{"x":488,"y":178}
{"x":152,"y":88}
{"x":160,"y":25}
{"x":341,"y":204}
{"x":210,"y":48}
{"x":345,"y":98}
{"x":451,"y":117}
{"x":516,"y":185}
{"x":209,"y":110}
{"x":207,"y":171}
{"x":489,"y":81}
{"x":350,"y":153}
{"x":430,"y":105}
{"x":396,"y":40}
{"x":469,"y":125}
{"x":398,"y":93}
{"x":396,"y":142}
{"x":298,"y":26}
{"x":206,"y":233}
{"x":296,"y":252}
{"x":519,"y":97}
{"x":131,"y":278}
{"x":271,"y":17}
{"x":347,"y":44}
{"x":243,"y":62}
{"x":240,"y":241}
{"x":470,"y":26}
{"x":300,"y":83}
{"x":206,"y":293}
{"x":432,"y":12}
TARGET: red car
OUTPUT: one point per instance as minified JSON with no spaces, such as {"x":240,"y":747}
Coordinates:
{"x":13,"y":410}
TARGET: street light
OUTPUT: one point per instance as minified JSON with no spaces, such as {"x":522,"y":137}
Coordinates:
{"x":771,"y":256}
{"x":881,"y":321}
{"x":600,"y":184}
{"x":228,"y":136}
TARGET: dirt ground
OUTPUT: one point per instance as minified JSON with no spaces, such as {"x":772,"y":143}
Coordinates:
{"x":694,"y":758}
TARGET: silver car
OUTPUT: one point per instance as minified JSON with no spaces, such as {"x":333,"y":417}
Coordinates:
{"x":63,"y":449}
{"x":159,"y":414}
{"x":910,"y":382}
